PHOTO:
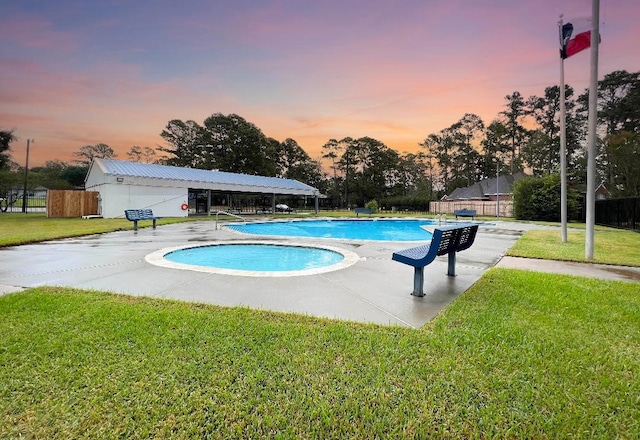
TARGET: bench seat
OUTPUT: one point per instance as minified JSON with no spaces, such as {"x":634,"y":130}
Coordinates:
{"x":136,"y":215}
{"x":447,"y":240}
{"x":465,"y":213}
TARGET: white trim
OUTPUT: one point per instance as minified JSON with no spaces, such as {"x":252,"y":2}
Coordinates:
{"x":157,"y":258}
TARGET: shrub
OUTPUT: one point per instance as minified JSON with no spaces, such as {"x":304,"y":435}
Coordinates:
{"x":538,"y":198}
{"x":372,"y":205}
{"x":416,"y":202}
{"x":524,"y":191}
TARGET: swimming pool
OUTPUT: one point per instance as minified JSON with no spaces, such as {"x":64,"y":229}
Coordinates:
{"x":378,"y":229}
{"x":255,"y":259}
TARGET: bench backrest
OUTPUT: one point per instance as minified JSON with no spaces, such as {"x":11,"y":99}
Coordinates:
{"x":445,"y":240}
{"x":363,"y":211}
{"x":138,"y":214}
{"x":466,"y":237}
{"x":454,"y":238}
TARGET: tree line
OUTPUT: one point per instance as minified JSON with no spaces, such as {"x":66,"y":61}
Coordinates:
{"x":525,"y":136}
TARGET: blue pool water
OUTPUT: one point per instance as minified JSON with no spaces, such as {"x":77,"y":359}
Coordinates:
{"x":387,"y":230}
{"x":256,"y":257}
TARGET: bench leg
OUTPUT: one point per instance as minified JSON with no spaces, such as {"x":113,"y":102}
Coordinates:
{"x":451,"y":270}
{"x":135,"y":225}
{"x":418,"y":281}
{"x":154,"y":223}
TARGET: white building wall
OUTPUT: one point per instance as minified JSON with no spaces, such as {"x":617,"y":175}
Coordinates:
{"x":120,"y":193}
{"x":165,"y":202}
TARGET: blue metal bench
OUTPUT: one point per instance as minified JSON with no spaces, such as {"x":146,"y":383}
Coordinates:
{"x":465,"y":213}
{"x":363,"y":211}
{"x":135,"y":215}
{"x":446,"y":240}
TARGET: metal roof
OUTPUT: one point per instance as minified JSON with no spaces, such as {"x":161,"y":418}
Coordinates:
{"x":204,"y":178}
{"x":487,"y":187}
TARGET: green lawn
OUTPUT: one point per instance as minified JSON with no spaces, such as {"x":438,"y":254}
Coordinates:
{"x":519,"y":355}
{"x":611,"y":246}
{"x":19,"y":228}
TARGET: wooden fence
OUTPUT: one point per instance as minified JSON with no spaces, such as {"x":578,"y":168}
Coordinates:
{"x":71,"y":203}
{"x":485,"y":209}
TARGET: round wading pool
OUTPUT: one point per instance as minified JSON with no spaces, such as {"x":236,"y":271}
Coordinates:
{"x":255,"y":259}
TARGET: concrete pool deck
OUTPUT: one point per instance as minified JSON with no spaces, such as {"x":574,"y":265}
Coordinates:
{"x":374,"y":290}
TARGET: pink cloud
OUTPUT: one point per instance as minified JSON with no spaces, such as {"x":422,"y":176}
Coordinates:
{"x":32,"y":32}
{"x":312,"y":71}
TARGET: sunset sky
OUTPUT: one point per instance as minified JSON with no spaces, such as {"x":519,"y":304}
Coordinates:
{"x":77,"y":73}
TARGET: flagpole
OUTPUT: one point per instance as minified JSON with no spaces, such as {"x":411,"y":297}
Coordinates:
{"x":591,"y":138}
{"x":563,"y":145}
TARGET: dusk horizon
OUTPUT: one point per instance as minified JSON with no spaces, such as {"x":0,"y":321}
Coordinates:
{"x":77,"y":73}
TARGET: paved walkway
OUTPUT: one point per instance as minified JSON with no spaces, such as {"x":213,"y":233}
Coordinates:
{"x":374,"y":290}
{"x":602,"y":271}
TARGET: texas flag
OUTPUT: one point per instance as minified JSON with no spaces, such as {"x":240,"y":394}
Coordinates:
{"x":576,"y":36}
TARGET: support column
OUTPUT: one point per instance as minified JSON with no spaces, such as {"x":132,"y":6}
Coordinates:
{"x":418,"y":281}
{"x":451,"y":270}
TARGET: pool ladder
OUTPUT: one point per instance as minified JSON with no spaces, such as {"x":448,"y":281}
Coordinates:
{"x":230,"y":215}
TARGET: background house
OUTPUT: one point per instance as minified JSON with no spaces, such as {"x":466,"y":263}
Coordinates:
{"x":488,"y":189}
{"x":489,"y":197}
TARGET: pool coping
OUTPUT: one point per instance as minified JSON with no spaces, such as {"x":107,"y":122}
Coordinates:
{"x":157,"y":258}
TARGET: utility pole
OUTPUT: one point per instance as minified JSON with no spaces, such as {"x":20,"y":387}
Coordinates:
{"x":591,"y":143}
{"x":25,"y":197}
{"x":563,"y":146}
{"x":497,"y":187}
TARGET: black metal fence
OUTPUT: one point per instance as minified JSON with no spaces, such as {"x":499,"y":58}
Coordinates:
{"x":13,"y":201}
{"x":619,"y":213}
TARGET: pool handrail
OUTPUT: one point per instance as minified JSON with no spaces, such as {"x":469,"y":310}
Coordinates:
{"x":230,"y":215}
